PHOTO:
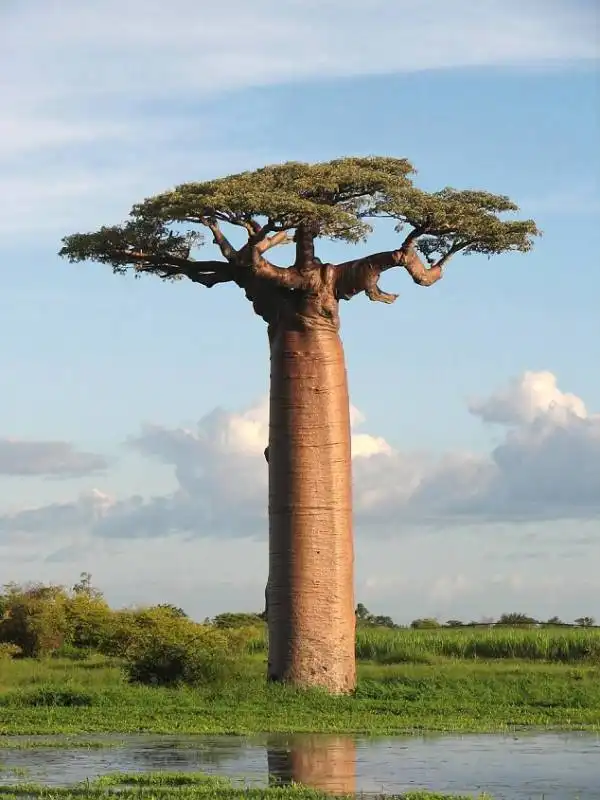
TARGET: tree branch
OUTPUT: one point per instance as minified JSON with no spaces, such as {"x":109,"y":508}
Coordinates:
{"x":283,"y":237}
{"x":219,"y":238}
{"x":363,"y":274}
{"x":208,"y":273}
{"x":283,"y":277}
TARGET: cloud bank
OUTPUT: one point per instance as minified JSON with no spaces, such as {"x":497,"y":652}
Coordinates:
{"x":546,"y":466}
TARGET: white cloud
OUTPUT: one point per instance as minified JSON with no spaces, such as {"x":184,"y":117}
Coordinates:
{"x":546,"y":467}
{"x":534,"y":395}
{"x":96,"y":86}
{"x":53,"y":459}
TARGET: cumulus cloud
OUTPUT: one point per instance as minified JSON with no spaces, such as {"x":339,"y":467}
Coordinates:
{"x":53,"y":459}
{"x":85,"y":80}
{"x":533,"y":395}
{"x":547,"y":467}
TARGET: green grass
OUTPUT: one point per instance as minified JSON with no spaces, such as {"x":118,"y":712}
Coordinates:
{"x":404,"y":645}
{"x":560,"y":644}
{"x":60,"y":696}
{"x":181,"y":786}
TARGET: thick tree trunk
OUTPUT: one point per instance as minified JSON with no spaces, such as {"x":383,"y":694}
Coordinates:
{"x":311,"y":553}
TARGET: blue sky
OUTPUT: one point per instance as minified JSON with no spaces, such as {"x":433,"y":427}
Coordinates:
{"x":477,"y":464}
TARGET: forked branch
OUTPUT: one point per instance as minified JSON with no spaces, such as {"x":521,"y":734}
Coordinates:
{"x":362,"y":275}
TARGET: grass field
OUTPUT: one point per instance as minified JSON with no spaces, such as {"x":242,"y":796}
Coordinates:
{"x":566,"y":645}
{"x":561,"y":644}
{"x":63,"y":696}
{"x":182,"y":786}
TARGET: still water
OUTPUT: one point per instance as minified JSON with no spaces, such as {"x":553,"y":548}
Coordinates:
{"x":518,"y":767}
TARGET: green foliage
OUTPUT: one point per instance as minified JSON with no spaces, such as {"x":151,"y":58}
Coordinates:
{"x":34,"y":618}
{"x":57,"y":696}
{"x":452,"y":220}
{"x":188,"y":786}
{"x":184,"y":654}
{"x":237,"y":620}
{"x":127,"y":626}
{"x":422,"y":645}
{"x":176,"y":611}
{"x":342,"y":199}
{"x":88,"y":620}
{"x":516,"y":618}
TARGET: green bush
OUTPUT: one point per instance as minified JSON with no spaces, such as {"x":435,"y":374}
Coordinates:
{"x":89,"y":619}
{"x":34,"y":618}
{"x":183,"y":654}
{"x":56,"y":696}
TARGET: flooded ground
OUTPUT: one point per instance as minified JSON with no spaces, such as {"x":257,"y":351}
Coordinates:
{"x":519,"y":767}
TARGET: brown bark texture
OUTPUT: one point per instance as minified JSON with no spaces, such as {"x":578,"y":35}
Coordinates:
{"x":325,"y":763}
{"x":311,"y":554}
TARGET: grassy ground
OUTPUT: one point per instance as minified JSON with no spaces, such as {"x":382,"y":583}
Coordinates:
{"x":61,"y":696}
{"x":556,"y":644}
{"x":181,"y":786}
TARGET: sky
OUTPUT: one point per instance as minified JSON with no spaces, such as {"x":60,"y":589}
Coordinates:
{"x":132,"y":421}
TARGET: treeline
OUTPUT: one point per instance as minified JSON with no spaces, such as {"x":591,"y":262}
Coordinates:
{"x":161,"y":645}
{"x":513,"y":619}
{"x":38,"y":620}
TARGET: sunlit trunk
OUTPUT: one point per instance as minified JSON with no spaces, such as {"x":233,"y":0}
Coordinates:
{"x":311,"y":553}
{"x":326,"y":763}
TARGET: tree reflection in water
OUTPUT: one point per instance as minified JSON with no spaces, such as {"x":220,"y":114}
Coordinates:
{"x":322,"y":762}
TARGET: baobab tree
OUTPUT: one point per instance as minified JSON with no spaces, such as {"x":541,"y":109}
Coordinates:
{"x":311,"y":616}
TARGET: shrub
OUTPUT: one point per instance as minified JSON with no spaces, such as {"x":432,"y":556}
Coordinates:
{"x":34,"y":618}
{"x":184,"y":654}
{"x":51,"y":696}
{"x":88,"y":619}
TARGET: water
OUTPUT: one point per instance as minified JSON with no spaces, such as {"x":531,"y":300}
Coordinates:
{"x":519,"y":767}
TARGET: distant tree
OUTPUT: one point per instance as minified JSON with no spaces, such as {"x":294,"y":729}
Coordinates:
{"x":383,"y":621}
{"x":364,"y":617}
{"x":454,"y":623}
{"x":554,"y":621}
{"x":426,"y":622}
{"x":311,"y":622}
{"x":517,"y":619}
{"x":362,"y":613}
{"x":84,"y":586}
{"x":231,"y":619}
{"x":585,"y":622}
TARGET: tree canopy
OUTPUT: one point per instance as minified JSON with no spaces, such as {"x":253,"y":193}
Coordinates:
{"x":296,"y":202}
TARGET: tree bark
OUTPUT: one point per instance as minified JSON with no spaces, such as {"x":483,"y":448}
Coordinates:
{"x":311,"y":551}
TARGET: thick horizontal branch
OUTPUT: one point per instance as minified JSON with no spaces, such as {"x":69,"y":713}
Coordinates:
{"x":362,"y":275}
{"x":208,"y":273}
